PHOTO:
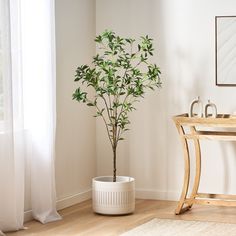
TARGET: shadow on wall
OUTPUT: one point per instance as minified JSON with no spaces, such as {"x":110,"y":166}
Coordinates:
{"x":228,"y":158}
{"x":185,"y":83}
{"x":147,"y":146}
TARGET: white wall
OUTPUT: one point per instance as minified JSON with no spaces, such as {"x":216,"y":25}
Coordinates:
{"x":75,"y":133}
{"x":75,"y":144}
{"x":183,"y":32}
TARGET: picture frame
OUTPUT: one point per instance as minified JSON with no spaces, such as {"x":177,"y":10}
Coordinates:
{"x":225,"y":50}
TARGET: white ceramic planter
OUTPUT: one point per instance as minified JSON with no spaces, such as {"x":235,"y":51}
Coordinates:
{"x":113,"y":198}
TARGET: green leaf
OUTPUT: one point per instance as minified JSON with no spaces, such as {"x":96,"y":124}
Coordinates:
{"x":122,"y":93}
{"x":90,"y":104}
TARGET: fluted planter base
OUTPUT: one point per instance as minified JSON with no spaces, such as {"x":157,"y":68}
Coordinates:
{"x":113,"y":198}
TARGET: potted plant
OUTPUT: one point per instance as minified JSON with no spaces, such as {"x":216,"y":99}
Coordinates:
{"x":120,"y":75}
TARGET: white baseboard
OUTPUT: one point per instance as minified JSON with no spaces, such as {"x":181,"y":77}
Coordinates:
{"x":28,"y":216}
{"x":157,"y":195}
{"x":65,"y":202}
{"x":74,"y":199}
{"x":83,"y":196}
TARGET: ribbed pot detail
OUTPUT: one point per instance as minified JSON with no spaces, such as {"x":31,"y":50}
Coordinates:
{"x":113,"y":198}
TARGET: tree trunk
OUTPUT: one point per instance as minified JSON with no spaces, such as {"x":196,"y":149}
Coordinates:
{"x":114,"y":163}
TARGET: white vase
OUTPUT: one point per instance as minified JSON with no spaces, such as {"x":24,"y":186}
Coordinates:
{"x":113,"y":198}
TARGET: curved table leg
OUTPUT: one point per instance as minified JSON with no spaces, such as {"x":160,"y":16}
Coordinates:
{"x":198,"y":166}
{"x":180,"y":208}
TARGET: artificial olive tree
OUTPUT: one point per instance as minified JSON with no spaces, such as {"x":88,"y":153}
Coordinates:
{"x":120,"y":75}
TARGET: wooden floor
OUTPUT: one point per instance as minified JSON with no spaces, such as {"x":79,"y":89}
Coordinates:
{"x":80,"y":220}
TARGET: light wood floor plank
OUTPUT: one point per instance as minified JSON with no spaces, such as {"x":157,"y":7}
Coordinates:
{"x":80,"y":220}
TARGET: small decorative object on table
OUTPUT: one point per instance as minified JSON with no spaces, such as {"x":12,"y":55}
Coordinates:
{"x":213,"y":108}
{"x":198,"y":113}
{"x":196,"y":103}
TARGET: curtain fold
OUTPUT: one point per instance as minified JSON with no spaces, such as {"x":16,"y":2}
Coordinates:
{"x":27,"y":68}
{"x":38,"y":46}
{"x":11,"y":130}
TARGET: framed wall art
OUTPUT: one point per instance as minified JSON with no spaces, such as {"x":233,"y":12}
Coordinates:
{"x":225,"y":47}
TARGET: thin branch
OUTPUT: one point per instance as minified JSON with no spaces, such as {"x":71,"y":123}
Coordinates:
{"x":121,"y":111}
{"x":99,"y":110}
{"x":109,"y":99}
{"x":119,"y":133}
{"x":107,"y":108}
{"x":108,"y":133}
{"x":115,"y":125}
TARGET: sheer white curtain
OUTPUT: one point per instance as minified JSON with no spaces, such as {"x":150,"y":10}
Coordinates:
{"x":11,"y":133}
{"x":27,"y":67}
{"x":38,"y":60}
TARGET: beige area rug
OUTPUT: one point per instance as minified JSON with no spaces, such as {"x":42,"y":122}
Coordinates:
{"x":164,"y":227}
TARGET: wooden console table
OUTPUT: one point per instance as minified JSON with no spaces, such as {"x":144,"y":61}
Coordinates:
{"x":192,"y":128}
